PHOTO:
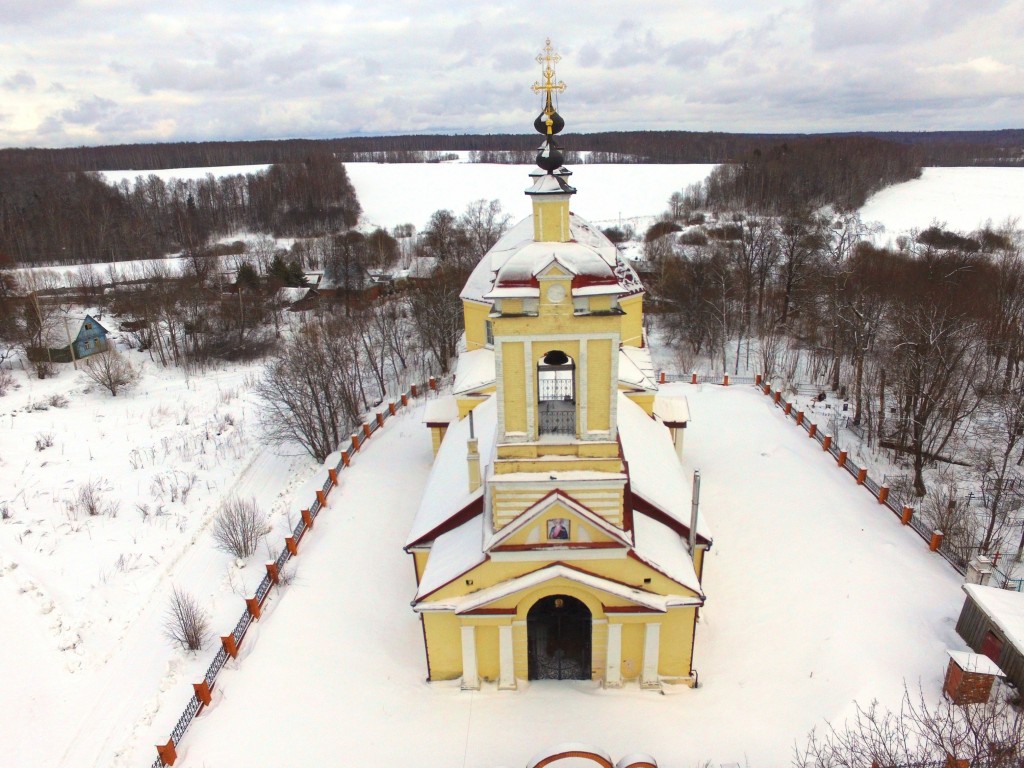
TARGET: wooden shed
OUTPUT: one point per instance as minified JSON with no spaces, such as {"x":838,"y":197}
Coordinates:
{"x":992,"y":624}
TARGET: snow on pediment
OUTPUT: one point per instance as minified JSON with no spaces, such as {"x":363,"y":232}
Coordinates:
{"x":557,"y":521}
{"x":559,"y":573}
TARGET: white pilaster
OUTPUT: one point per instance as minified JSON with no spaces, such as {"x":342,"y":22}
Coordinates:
{"x":613,"y":660}
{"x":470,"y":677}
{"x":677,"y":439}
{"x":652,"y":642}
{"x":506,"y":659}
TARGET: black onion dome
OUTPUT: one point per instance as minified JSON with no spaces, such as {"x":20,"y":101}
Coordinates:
{"x":541,"y":124}
{"x":550,"y":158}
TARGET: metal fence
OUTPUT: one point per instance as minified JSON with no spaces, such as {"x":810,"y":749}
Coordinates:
{"x":195,"y":703}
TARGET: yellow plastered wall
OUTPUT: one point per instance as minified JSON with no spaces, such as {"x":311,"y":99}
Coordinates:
{"x":487,"y":651}
{"x":436,"y":436}
{"x":419,"y":558}
{"x":474,"y":315}
{"x":508,"y":501}
{"x":644,"y":399}
{"x":551,"y":219}
{"x":599,"y":389}
{"x":676,"y":651}
{"x":632,"y":648}
{"x":633,"y":320}
{"x":469,"y":402}
{"x":514,"y":385}
{"x":444,"y":645}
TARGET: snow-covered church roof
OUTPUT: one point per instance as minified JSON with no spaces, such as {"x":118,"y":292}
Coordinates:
{"x":510,"y":268}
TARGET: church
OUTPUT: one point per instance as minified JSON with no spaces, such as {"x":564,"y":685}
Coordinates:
{"x":558,"y":536}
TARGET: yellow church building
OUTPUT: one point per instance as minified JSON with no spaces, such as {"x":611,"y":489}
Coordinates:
{"x":556,"y":538}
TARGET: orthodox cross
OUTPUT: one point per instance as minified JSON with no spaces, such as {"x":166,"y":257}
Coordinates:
{"x":547,"y":59}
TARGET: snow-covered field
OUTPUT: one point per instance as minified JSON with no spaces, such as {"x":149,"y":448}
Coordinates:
{"x":962,"y":199}
{"x":816,"y":598}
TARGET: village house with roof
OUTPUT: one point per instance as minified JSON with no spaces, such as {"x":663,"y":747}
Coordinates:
{"x":556,"y":538}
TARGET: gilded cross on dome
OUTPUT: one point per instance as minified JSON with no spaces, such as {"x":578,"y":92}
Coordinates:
{"x":547,"y":59}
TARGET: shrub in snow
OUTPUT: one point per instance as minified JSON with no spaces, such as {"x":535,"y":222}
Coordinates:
{"x":238,"y":527}
{"x":111,"y":371}
{"x":185,"y":621}
{"x":6,"y":381}
{"x":89,"y":500}
{"x":57,"y":401}
{"x":44,"y":440}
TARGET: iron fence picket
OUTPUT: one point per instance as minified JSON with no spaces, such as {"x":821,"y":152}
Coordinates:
{"x":300,"y":528}
{"x":158,"y":763}
{"x":922,"y":528}
{"x":185,"y":720}
{"x":328,"y":485}
{"x":955,"y":559}
{"x":872,"y":485}
{"x":834,"y":450}
{"x":851,"y":468}
{"x":283,"y":558}
{"x":216,"y":665}
{"x":263,"y":588}
{"x":243,"y":624}
{"x":314,"y":507}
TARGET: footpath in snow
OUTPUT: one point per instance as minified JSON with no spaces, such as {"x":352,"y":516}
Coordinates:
{"x":817,"y":598}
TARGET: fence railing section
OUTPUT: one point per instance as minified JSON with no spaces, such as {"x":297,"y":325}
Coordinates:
{"x":166,"y":753}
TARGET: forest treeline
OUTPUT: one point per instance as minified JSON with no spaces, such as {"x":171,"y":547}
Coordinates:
{"x":70,"y":217}
{"x":842,"y":173}
{"x":952,"y":148}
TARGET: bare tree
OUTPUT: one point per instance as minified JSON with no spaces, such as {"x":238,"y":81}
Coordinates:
{"x":185,"y":621}
{"x":239,"y":526}
{"x":919,"y":734}
{"x":111,"y":370}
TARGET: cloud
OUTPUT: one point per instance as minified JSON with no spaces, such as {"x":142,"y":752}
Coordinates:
{"x":20,"y":81}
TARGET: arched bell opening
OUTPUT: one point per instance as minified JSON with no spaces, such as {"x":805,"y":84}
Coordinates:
{"x":558,"y":630}
{"x":556,"y":394}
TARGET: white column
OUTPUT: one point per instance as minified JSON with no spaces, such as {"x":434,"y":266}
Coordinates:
{"x":652,"y":641}
{"x":613,"y":659}
{"x":506,"y":659}
{"x":470,"y":678}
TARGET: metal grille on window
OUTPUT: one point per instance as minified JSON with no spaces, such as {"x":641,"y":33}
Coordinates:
{"x":556,"y":394}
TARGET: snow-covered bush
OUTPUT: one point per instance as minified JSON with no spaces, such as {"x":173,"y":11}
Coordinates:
{"x":89,"y":499}
{"x":239,"y":526}
{"x":44,"y":440}
{"x":186,"y":622}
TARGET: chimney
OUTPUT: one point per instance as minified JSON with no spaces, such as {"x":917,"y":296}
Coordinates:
{"x":473,"y":457}
{"x":694,"y":506}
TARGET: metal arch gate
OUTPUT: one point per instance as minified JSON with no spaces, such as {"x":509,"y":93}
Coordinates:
{"x":559,"y":639}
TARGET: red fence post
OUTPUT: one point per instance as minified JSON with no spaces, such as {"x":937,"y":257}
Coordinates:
{"x":842,"y":459}
{"x":412,"y":388}
{"x":307,"y":517}
{"x":799,"y":418}
{"x":392,"y":409}
{"x":321,"y":497}
{"x":292,"y":545}
{"x":355,"y":443}
{"x":778,"y":396}
{"x":253,"y":606}
{"x":275,"y":575}
{"x":366,"y":432}
{"x":693,"y":377}
{"x":230,"y":645}
{"x":826,"y":443}
{"x":345,"y":458}
{"x":333,"y":474}
{"x":812,"y":430}
{"x":862,"y":475}
{"x":767,"y":389}
{"x":883,"y":494}
{"x":908,"y":512}
{"x":432,"y":382}
{"x":789,"y":408}
{"x":203,"y":692}
{"x":725,"y":380}
{"x":757,"y":379}
{"x":405,"y":400}
{"x":936,"y":541}
{"x":167,"y":753}
{"x":380,"y":419}
{"x":661,"y":378}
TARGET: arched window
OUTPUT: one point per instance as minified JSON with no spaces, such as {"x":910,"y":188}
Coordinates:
{"x":556,"y":394}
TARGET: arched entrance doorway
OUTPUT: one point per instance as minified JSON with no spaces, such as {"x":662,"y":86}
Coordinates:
{"x":558,"y":630}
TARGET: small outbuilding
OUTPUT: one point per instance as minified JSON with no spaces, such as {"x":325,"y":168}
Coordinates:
{"x":992,"y":624}
{"x":69,"y":337}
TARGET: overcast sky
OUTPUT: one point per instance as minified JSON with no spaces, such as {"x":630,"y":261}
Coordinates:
{"x":116,"y":71}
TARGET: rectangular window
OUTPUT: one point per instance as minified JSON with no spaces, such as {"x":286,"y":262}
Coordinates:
{"x":490,"y":333}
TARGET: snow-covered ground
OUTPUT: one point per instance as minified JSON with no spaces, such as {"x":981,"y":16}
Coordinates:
{"x":87,"y":593}
{"x":817,"y":598}
{"x":962,"y":199}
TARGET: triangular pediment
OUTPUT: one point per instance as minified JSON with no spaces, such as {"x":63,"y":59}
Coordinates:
{"x":553,"y":267}
{"x":558,"y":521}
{"x":612,"y":594}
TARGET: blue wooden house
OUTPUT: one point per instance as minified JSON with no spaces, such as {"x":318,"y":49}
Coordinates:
{"x":88,"y":336}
